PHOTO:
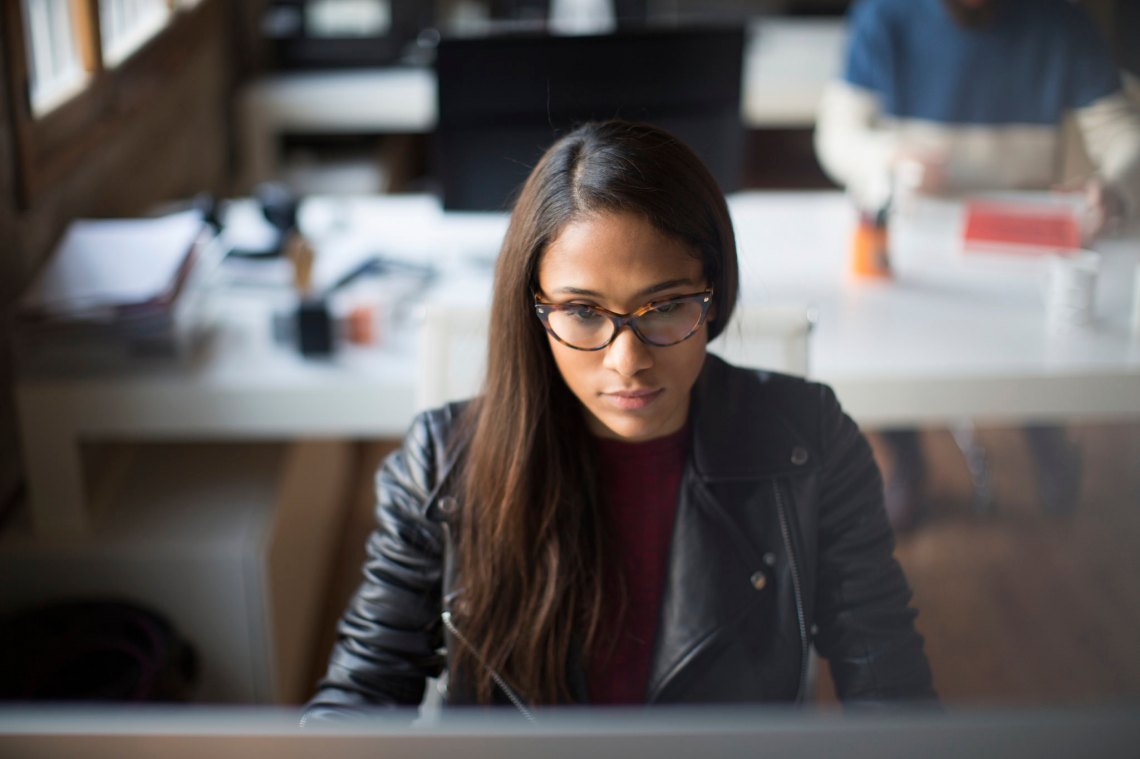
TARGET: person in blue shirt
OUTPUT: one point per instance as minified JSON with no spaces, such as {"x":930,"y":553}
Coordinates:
{"x":979,"y":95}
{"x":977,"y":92}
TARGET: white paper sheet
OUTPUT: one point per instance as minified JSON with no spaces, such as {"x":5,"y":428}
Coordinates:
{"x":108,"y":262}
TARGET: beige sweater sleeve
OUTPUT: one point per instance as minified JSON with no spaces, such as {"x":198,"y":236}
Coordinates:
{"x":852,"y":145}
{"x":1110,"y":128}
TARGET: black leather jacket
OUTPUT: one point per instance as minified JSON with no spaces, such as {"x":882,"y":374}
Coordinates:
{"x":780,"y":543}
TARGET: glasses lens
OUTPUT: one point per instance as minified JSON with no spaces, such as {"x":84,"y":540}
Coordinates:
{"x":670,"y":322}
{"x":580,"y":326}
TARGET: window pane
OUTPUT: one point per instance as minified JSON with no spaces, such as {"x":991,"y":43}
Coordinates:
{"x":126,"y":25}
{"x":55,"y":67}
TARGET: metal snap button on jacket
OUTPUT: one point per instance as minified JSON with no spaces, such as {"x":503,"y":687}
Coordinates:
{"x":799,"y":455}
{"x":758,"y":580}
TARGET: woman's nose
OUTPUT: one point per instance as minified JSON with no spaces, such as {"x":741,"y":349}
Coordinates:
{"x":627,"y":355}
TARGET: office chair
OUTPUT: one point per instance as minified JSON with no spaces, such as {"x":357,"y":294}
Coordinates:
{"x":453,"y":353}
{"x":767,"y":337}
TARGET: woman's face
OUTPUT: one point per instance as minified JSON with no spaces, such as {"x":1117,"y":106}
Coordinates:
{"x":620,"y":261}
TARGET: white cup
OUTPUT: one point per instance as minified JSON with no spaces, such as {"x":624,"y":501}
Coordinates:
{"x":1136,"y":302}
{"x":1070,"y":291}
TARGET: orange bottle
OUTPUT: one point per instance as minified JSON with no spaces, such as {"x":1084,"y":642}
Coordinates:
{"x":869,"y":253}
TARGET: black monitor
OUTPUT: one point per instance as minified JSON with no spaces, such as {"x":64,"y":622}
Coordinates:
{"x":504,"y":98}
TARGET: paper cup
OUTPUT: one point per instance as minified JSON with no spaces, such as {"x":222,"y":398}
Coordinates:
{"x":1070,"y":292}
{"x":1136,"y":302}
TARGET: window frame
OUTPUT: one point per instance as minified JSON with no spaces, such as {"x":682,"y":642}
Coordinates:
{"x":51,"y":146}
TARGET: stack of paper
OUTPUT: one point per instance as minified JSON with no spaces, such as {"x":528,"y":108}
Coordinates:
{"x":113,"y":290}
{"x":1021,"y":227}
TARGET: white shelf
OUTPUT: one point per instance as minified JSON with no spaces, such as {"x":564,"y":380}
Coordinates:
{"x":787,"y":64}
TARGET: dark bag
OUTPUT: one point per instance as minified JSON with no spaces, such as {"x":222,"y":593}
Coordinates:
{"x":93,"y":651}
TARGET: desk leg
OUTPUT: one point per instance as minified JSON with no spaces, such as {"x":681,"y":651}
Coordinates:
{"x":52,"y":465}
{"x":977,"y":463}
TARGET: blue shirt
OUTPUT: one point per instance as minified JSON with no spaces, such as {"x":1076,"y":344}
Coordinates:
{"x":1036,"y":60}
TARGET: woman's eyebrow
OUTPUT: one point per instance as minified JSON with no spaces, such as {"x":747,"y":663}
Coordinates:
{"x":577,"y":291}
{"x":651,"y":290}
{"x":667,"y":285}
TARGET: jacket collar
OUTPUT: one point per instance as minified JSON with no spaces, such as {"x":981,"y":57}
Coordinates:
{"x":739,"y":428}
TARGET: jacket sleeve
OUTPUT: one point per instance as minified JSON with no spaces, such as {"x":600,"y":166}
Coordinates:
{"x":390,"y":637}
{"x":853,"y":147}
{"x":852,"y":143}
{"x":865,"y":626}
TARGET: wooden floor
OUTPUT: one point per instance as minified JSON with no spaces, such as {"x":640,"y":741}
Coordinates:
{"x":1021,"y":608}
{"x":1017,"y":608}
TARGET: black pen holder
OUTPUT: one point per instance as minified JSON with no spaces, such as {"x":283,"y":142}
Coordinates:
{"x":315,"y":327}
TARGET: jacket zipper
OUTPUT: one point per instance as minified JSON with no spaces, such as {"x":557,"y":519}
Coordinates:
{"x":499,"y":680}
{"x":784,"y":531}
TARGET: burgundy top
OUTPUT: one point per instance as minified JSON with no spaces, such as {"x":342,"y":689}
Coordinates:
{"x":640,"y":483}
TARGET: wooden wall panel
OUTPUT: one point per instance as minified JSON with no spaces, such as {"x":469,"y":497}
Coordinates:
{"x":173,"y":146}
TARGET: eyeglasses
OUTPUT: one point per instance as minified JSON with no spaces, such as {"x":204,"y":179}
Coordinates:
{"x":591,"y":328}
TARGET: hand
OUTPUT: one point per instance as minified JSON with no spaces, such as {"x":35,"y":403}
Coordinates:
{"x":1105,"y":209}
{"x":921,"y":172}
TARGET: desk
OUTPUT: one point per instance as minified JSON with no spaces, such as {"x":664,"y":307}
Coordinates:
{"x":942,"y":343}
{"x":950,"y":338}
{"x":787,"y":63}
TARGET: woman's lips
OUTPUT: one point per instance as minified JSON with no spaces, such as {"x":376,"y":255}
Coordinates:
{"x":632,"y":400}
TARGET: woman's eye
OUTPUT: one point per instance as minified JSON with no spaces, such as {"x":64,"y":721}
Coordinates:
{"x":666,"y":308}
{"x":583,"y":313}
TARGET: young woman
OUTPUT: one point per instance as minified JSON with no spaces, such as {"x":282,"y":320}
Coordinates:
{"x":619,"y":517}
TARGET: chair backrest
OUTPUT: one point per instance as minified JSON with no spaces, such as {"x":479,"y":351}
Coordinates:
{"x":453,"y":353}
{"x":504,"y":98}
{"x":453,"y":346}
{"x":767,"y":337}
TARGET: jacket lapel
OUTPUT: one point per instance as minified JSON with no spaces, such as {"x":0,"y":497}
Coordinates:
{"x":741,"y":441}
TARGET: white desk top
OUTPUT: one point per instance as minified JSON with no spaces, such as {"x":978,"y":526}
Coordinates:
{"x":941,"y":324}
{"x":952,"y":336}
{"x":949,"y":339}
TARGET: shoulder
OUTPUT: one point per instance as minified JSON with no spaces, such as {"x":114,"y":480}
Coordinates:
{"x":1064,"y":22}
{"x":1078,"y":44}
{"x":431,"y":437}
{"x":434,"y":428}
{"x":754,"y":421}
{"x":874,"y":28}
{"x":801,"y":401}
{"x":424,"y":462}
{"x":877,"y":14}
{"x":1057,"y":12}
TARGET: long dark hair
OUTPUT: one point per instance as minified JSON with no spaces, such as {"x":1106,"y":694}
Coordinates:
{"x":531,"y":559}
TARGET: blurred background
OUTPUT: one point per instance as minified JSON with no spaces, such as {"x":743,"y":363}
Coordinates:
{"x":115,"y":109}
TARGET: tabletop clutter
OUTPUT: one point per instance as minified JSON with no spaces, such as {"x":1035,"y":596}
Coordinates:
{"x":126,"y":293}
{"x":129,"y":292}
{"x":1037,"y":230}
